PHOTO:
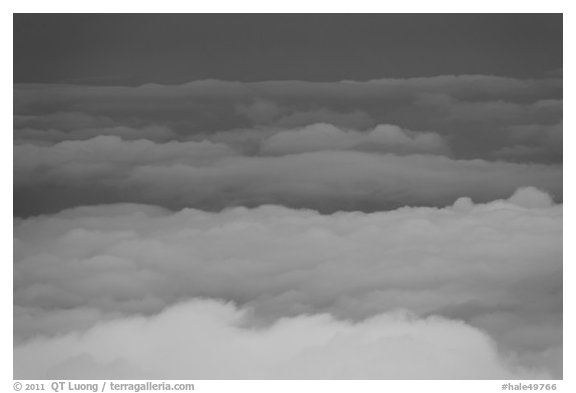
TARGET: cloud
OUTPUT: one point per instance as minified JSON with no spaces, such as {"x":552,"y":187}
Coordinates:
{"x":266,"y":112}
{"x":212,"y":175}
{"x":394,"y":228}
{"x":353,"y":119}
{"x":474,"y":112}
{"x":530,"y":197}
{"x":51,"y":136}
{"x":66,"y":121}
{"x":206,"y":340}
{"x":84,"y":273}
{"x":535,"y":142}
{"x":383,"y":138}
{"x":260,"y":111}
{"x":103,"y":157}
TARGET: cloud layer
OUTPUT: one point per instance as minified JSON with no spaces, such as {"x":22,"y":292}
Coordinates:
{"x":329,"y":146}
{"x":474,"y":112}
{"x":206,"y":340}
{"x":213,"y":175}
{"x":383,"y":138}
{"x":497,"y":267}
{"x":393,"y":228}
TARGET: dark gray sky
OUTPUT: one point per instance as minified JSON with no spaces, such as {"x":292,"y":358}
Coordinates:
{"x":167,"y":48}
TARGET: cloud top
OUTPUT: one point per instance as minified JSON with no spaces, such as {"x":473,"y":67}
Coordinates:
{"x":212,"y":175}
{"x":383,"y":138}
{"x":496,"y":267}
{"x":206,"y":340}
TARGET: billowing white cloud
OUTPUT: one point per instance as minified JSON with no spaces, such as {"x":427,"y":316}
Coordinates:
{"x":209,"y":340}
{"x":496,"y":266}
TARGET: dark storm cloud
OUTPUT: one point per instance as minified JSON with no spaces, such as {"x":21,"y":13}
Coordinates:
{"x":164,"y":48}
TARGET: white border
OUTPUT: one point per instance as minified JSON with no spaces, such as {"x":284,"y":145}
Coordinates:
{"x":308,"y":6}
{"x":294,"y":6}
